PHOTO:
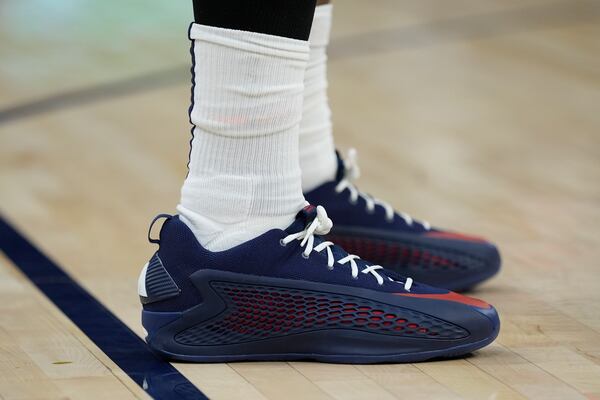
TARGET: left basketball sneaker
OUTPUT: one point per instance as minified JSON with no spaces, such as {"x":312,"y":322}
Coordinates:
{"x":290,"y":295}
{"x":372,"y":229}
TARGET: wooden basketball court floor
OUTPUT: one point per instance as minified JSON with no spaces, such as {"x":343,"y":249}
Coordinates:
{"x":483,"y":116}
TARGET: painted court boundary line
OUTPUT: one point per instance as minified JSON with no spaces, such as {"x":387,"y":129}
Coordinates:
{"x":157,"y":377}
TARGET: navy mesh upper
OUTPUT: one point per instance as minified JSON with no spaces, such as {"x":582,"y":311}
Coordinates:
{"x":182,"y":255}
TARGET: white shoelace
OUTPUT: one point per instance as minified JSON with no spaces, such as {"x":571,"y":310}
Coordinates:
{"x":321,"y":225}
{"x":351,"y":174}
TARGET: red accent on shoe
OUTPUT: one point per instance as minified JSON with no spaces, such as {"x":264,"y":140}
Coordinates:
{"x":450,"y":296}
{"x":456,"y":236}
{"x":309,"y":208}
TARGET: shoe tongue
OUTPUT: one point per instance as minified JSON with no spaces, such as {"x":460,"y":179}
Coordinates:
{"x":303,"y":219}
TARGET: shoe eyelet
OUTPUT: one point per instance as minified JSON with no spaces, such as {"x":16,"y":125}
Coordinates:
{"x":282,"y":243}
{"x":353,"y":202}
{"x":330,"y":268}
{"x":355,"y":277}
{"x":389,"y":220}
{"x":370,"y":211}
{"x":305,"y":256}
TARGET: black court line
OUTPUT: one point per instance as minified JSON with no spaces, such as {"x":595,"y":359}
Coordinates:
{"x":157,"y":377}
{"x":484,"y":25}
{"x":93,"y":94}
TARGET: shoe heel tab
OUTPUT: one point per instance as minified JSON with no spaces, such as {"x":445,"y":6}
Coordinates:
{"x":166,"y":217}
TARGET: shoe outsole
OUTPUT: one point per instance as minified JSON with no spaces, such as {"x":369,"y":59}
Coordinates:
{"x":450,"y":353}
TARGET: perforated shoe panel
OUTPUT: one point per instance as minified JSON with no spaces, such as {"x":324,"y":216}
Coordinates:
{"x":262,"y":312}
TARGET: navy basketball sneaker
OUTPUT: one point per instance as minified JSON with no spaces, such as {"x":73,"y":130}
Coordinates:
{"x":371,"y":229}
{"x":290,"y":295}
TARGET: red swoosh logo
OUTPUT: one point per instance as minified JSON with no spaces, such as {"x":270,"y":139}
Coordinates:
{"x":451,"y":296}
{"x":455,"y":236}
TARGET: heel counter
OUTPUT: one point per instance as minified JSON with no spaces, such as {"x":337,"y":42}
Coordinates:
{"x":154,"y":283}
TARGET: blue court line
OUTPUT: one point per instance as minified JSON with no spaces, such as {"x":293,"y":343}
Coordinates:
{"x":159,"y":378}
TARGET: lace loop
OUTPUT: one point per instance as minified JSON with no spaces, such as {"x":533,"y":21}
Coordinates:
{"x":352,"y":173}
{"x":321,"y":225}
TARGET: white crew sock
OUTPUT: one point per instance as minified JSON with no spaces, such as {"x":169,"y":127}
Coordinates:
{"x":317,"y":151}
{"x":244,"y":176}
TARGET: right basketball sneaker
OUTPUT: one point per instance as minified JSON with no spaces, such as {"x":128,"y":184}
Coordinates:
{"x":373,"y":230}
{"x":290,"y":295}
